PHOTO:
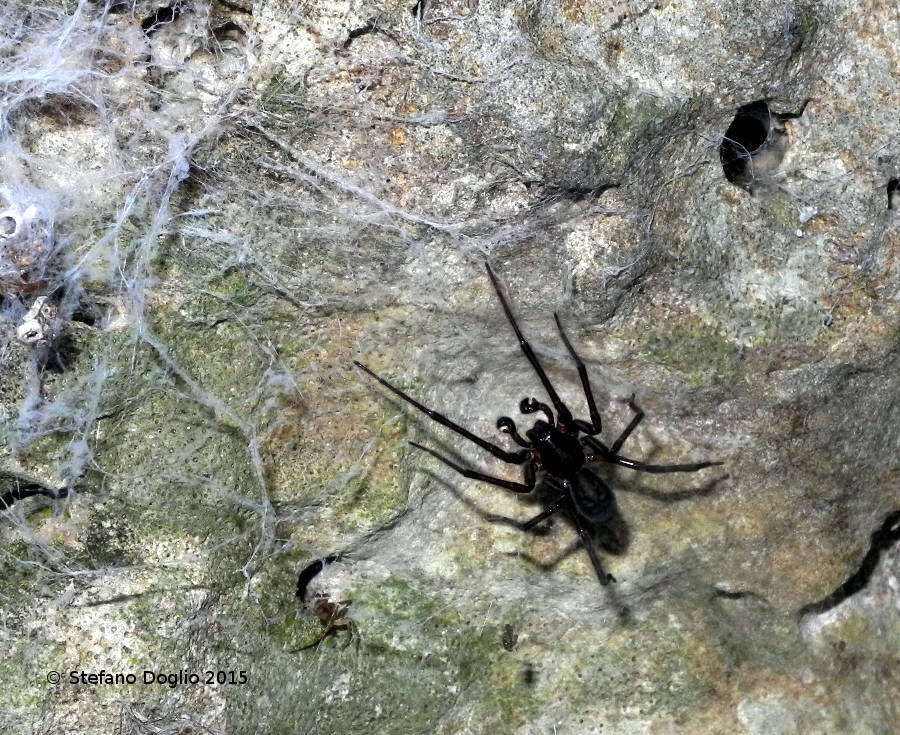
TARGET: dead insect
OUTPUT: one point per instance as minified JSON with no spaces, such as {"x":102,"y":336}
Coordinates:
{"x":509,"y":638}
{"x":554,"y":448}
{"x":333,"y":616}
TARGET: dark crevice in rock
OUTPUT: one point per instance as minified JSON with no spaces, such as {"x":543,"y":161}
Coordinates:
{"x":577,"y":193}
{"x":310,"y":571}
{"x":61,"y":354}
{"x":892,"y":187}
{"x":729,"y":594}
{"x":163,"y":16}
{"x":882,"y":538}
{"x":550,"y":193}
{"x":228,"y":31}
{"x":371,"y":26}
{"x":236,"y":7}
{"x":116,"y":7}
{"x":635,"y":16}
{"x":722,"y":592}
{"x":29,"y":489}
{"x":116,"y":599}
{"x":419,"y":9}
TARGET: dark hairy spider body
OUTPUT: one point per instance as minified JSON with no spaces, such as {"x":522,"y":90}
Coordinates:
{"x":560,"y":448}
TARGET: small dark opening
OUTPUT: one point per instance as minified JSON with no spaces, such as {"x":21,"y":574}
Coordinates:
{"x":529,"y":675}
{"x":745,"y":137}
{"x":7,"y":226}
{"x":88,"y":315}
{"x":229,"y":31}
{"x":61,"y":354}
{"x":893,"y":187}
{"x":161,"y":17}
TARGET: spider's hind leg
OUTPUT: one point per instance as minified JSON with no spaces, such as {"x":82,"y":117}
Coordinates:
{"x":532,"y":522}
{"x":635,"y":420}
{"x":588,"y":544}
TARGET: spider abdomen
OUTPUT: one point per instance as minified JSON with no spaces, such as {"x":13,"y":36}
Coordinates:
{"x":592,"y":497}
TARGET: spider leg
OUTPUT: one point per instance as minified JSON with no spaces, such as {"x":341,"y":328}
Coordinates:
{"x":531,"y":523}
{"x":511,"y":457}
{"x":594,"y":426}
{"x":635,"y":420}
{"x":607,"y":456}
{"x":661,"y":468}
{"x":565,"y":416}
{"x":351,"y":633}
{"x":588,"y":544}
{"x":602,"y":449}
{"x":326,"y":631}
{"x":516,"y":487}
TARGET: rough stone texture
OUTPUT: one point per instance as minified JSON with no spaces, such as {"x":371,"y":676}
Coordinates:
{"x":249,"y":196}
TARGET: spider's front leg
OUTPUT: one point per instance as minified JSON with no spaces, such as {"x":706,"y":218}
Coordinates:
{"x":498,"y":452}
{"x":516,"y":487}
{"x":596,"y":424}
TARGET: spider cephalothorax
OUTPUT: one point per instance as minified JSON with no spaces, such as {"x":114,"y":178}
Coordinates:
{"x":554,"y":447}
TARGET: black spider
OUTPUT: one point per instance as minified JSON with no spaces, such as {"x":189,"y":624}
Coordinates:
{"x":554,"y":448}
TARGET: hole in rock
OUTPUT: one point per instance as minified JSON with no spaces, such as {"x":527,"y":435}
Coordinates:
{"x":152,"y":23}
{"x":745,"y":138}
{"x":89,"y":315}
{"x":229,"y":31}
{"x":7,"y":225}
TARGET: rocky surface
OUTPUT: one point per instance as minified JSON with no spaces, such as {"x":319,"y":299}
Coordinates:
{"x":245,"y":197}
